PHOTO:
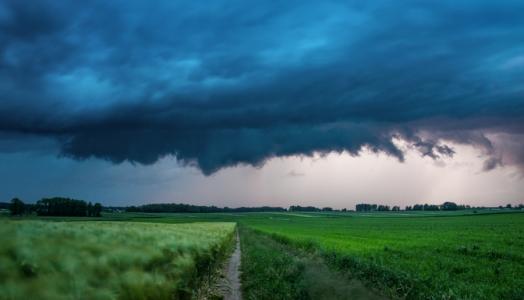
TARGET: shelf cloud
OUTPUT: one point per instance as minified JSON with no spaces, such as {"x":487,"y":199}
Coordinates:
{"x":223,"y":83}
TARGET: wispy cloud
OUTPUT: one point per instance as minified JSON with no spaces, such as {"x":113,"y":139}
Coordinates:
{"x":294,"y":173}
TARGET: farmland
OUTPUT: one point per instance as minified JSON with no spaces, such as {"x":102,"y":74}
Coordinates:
{"x":474,"y":257}
{"x":107,"y":260}
{"x":414,"y":255}
{"x":444,"y":255}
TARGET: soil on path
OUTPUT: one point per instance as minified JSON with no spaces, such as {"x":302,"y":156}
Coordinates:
{"x":232,"y":272}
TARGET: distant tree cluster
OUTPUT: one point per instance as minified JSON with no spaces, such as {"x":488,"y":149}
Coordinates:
{"x":67,"y":207}
{"x":188,"y":208}
{"x":304,"y":208}
{"x":509,"y":206}
{"x":56,"y":207}
{"x":366,"y":207}
{"x":375,"y":207}
{"x":428,"y":207}
{"x":446,"y":206}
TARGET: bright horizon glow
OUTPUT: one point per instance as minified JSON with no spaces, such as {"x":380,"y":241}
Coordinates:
{"x":335,"y":180}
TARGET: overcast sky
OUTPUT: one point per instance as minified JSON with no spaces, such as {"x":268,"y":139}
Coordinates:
{"x":261,"y":102}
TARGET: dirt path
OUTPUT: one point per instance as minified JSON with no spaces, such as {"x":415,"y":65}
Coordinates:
{"x":234,"y":291}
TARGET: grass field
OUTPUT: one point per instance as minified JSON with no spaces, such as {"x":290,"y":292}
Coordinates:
{"x":276,"y":271}
{"x":440,"y":255}
{"x":466,"y":257}
{"x":107,"y":260}
{"x":412,"y":255}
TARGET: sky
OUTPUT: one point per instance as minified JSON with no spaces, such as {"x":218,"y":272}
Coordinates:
{"x":325,"y":103}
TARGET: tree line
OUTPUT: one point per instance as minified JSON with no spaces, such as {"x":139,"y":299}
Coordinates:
{"x":188,"y":208}
{"x":59,"y":206}
{"x":375,"y":207}
{"x":446,"y":206}
{"x":363,"y":207}
{"x":310,"y":208}
{"x":56,"y":206}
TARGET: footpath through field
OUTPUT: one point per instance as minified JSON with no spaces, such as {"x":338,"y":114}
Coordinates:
{"x":234,"y":291}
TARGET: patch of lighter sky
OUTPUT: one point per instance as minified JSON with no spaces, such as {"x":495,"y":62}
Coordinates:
{"x":336,"y":180}
{"x":342,"y":181}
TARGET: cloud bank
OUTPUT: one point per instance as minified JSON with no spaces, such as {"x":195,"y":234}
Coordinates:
{"x":223,"y":83}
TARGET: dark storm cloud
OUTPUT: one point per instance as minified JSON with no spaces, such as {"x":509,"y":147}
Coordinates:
{"x":227,"y":82}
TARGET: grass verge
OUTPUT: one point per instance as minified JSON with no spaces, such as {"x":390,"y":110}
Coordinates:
{"x":275,"y":270}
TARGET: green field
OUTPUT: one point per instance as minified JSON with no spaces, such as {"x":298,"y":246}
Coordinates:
{"x":442,"y":255}
{"x":278,"y":271}
{"x":467,"y":257}
{"x":107,"y":260}
{"x":285,"y":255}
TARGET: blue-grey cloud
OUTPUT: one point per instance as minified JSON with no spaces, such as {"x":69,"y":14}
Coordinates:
{"x":227,"y":82}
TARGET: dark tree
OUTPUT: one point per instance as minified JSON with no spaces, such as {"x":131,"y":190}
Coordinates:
{"x":395,"y":208}
{"x":418,"y":207}
{"x":303,"y":208}
{"x":450,"y":206}
{"x":363,"y":207}
{"x":90,"y":210}
{"x":97,"y":210}
{"x":383,"y":208}
{"x":431,"y":207}
{"x":17,"y":207}
{"x":61,"y":207}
